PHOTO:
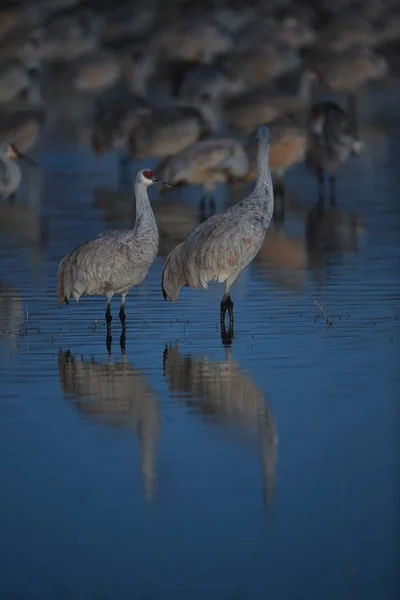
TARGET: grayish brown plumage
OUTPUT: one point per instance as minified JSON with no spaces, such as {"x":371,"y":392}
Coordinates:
{"x":115,"y":261}
{"x":221,"y":247}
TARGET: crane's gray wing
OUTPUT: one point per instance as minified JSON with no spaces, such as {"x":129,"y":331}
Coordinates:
{"x":224,"y":242}
{"x":92,"y":265}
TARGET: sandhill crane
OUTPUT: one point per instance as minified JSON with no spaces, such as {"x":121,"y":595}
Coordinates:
{"x":117,"y":395}
{"x":258,"y":64}
{"x":226,"y":396}
{"x":114,"y":121}
{"x":115,"y":261}
{"x":332,"y":139}
{"x":16,"y":72}
{"x":96,"y":72}
{"x":350,"y":70}
{"x":208,"y":162}
{"x":10,"y":173}
{"x":165,"y":132}
{"x":250,"y":109}
{"x":221,"y":247}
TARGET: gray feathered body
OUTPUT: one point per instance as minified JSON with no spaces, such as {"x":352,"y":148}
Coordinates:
{"x":10,"y":177}
{"x":332,"y":137}
{"x":113,"y":262}
{"x":222,"y":246}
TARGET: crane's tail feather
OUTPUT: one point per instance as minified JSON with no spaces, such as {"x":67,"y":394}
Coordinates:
{"x":173,"y":277}
{"x":63,"y":277}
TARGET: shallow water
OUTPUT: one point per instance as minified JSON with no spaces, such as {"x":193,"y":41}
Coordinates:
{"x":180,"y":466}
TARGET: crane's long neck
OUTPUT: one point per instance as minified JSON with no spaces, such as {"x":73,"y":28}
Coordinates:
{"x":264,"y":189}
{"x":145,"y":219}
{"x":264,"y":179}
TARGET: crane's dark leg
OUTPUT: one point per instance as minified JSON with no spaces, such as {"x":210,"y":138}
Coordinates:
{"x":122,"y":311}
{"x":124,"y":174}
{"x":109,"y":341}
{"x":321,"y":190}
{"x":353,"y":113}
{"x":212,"y":204}
{"x":207,"y":206}
{"x":279,"y":205}
{"x":108,"y":321}
{"x":227,"y":336}
{"x":108,"y":314}
{"x":227,"y":305}
{"x":332,"y":187}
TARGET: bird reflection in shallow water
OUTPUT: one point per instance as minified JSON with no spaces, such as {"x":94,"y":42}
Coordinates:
{"x":225,"y":394}
{"x":117,"y":395}
{"x":11,"y":315}
{"x":330,"y":230}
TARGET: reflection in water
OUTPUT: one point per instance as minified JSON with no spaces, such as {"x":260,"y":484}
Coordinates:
{"x":117,"y":395}
{"x":330,"y":230}
{"x":11,"y":315}
{"x":24,"y":223}
{"x":284,"y":258}
{"x":225,"y":394}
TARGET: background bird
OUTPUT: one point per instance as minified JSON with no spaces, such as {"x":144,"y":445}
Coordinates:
{"x":332,"y":139}
{"x":221,"y":247}
{"x":10,"y":173}
{"x":115,"y":261}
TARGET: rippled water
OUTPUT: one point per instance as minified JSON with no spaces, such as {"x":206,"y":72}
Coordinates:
{"x":181,"y":467}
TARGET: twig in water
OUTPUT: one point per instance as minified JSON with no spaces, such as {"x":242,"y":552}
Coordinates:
{"x":329,"y":321}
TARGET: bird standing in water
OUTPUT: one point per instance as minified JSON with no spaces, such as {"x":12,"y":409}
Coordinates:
{"x":221,"y":247}
{"x":332,"y":139}
{"x":115,"y":261}
{"x":10,"y":173}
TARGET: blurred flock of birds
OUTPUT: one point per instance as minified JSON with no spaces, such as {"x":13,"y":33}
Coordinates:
{"x":186,"y":85}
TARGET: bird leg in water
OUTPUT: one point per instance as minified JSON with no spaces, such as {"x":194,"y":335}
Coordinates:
{"x":122,"y":312}
{"x":207,"y":206}
{"x":122,"y":341}
{"x":332,"y":186}
{"x":279,"y":206}
{"x":226,"y":305}
{"x":227,"y":336}
{"x":321,"y":187}
{"x":109,"y":341}
{"x":352,"y":103}
{"x":108,"y":315}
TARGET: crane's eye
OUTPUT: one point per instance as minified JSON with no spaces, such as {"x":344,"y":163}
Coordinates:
{"x":148,"y":174}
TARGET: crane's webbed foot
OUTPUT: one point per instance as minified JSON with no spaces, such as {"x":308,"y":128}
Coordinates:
{"x":227,"y":305}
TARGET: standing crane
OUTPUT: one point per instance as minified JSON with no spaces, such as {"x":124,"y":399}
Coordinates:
{"x":115,"y":261}
{"x":332,"y":139}
{"x":10,"y":173}
{"x":221,"y":247}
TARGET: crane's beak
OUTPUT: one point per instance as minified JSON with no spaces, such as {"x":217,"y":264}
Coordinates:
{"x":162,"y":182}
{"x":13,"y":152}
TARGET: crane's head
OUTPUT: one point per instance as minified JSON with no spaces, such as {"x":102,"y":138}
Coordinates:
{"x":9,"y":150}
{"x":147,"y":178}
